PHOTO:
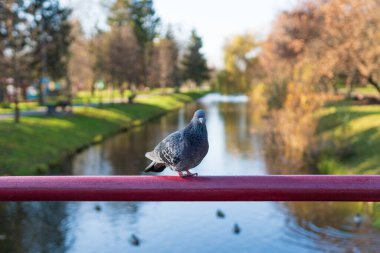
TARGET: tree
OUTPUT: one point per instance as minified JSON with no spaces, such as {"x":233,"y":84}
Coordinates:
{"x":354,"y":35}
{"x":292,"y":45}
{"x":321,"y":43}
{"x":3,"y":61}
{"x":123,"y":53}
{"x":98,"y":49}
{"x":141,"y":16}
{"x":240,"y":63}
{"x":194,"y":63}
{"x":81,"y":60}
{"x":164,"y":68}
{"x":13,"y":43}
{"x":50,"y":39}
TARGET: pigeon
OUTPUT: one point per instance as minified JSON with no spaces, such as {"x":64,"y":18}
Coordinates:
{"x":220,"y":214}
{"x":134,"y":240}
{"x":236,"y":229}
{"x":98,"y":208}
{"x":183,"y":149}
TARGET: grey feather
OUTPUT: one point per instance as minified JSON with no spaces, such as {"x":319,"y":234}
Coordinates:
{"x":183,"y":149}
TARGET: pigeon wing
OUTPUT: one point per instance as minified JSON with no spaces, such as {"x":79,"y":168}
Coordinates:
{"x":152,"y":156}
{"x":170,"y":149}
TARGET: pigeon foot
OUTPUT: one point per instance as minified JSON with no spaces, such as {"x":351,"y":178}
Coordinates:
{"x":188,"y":174}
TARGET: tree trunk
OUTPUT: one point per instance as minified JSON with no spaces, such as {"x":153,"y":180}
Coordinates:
{"x":93,"y":88}
{"x":69,"y":89}
{"x":16,"y":85}
{"x":133,"y":94}
{"x":121,"y":91}
{"x":44,"y":67}
{"x":112,"y":95}
{"x":41,"y":99}
{"x":2,"y":93}
{"x":335,"y":88}
{"x":17,"y":108}
{"x":349,"y":86}
{"x":374,"y":83}
{"x":100,"y":97}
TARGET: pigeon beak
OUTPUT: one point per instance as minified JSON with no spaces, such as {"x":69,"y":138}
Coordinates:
{"x":201,"y":120}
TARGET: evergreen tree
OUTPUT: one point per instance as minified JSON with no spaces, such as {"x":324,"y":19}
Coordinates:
{"x":140,"y":15}
{"x":194,"y":63}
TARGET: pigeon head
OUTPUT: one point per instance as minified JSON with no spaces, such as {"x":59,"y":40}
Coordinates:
{"x":199,"y":117}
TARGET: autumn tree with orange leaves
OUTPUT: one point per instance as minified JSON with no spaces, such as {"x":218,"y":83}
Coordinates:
{"x":320,"y":43}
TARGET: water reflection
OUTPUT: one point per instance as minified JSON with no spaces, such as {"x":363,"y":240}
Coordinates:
{"x":333,"y":226}
{"x":235,"y":149}
{"x":236,"y":123}
{"x":33,"y":227}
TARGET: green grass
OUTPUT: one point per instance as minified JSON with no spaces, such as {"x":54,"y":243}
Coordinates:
{"x":24,"y":106}
{"x":365,"y":90}
{"x":85,"y":97}
{"x":106,"y":96}
{"x":35,"y":144}
{"x":355,"y":130}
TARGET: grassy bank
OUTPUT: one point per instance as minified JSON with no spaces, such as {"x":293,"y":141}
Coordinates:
{"x":351,"y":134}
{"x":24,"y":106}
{"x":352,"y":138}
{"x":35,"y":144}
{"x":85,"y":97}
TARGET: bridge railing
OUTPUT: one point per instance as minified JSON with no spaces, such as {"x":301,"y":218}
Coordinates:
{"x":202,"y":188}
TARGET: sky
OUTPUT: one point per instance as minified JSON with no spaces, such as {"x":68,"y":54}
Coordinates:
{"x":214,"y":20}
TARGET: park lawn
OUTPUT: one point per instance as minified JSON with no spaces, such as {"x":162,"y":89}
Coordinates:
{"x":364,"y":90}
{"x":107,"y":96}
{"x":38,"y":143}
{"x":24,"y":106}
{"x":356,"y":130}
{"x":85,"y":97}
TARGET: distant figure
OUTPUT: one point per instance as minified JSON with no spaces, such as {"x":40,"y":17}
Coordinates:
{"x":236,"y":229}
{"x":134,"y":240}
{"x":183,"y":149}
{"x":220,"y":214}
{"x":358,"y":220}
{"x":98,"y":208}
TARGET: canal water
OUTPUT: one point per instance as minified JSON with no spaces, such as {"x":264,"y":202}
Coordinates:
{"x":237,"y":147}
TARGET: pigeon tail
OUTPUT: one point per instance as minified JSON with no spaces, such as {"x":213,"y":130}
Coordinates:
{"x":155,"y":167}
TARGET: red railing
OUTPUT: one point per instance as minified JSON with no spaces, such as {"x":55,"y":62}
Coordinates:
{"x":173,"y":188}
